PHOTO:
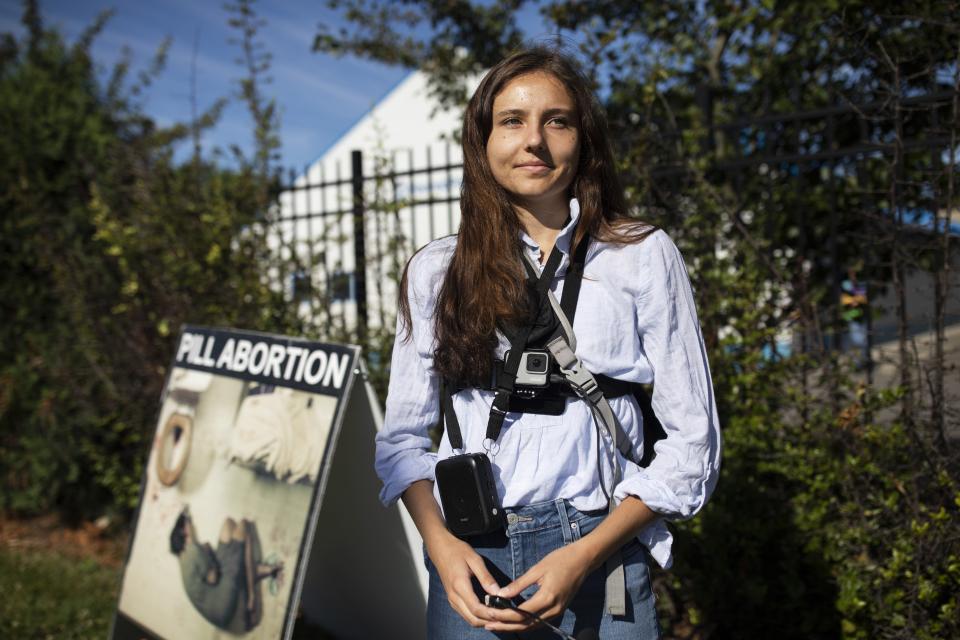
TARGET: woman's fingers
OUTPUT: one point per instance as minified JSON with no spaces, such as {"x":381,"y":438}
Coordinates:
{"x":513,"y":621}
{"x":542,"y":604}
{"x":515,"y":588}
{"x":558,"y":576}
{"x":483,"y":575}
{"x":465,"y":602}
{"x":462,"y":598}
{"x":491,"y":586}
{"x":458,"y":564}
{"x":545,"y":603}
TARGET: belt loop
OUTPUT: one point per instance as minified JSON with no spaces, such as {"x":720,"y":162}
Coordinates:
{"x":561,"y":506}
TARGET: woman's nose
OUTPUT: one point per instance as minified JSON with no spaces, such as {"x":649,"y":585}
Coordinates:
{"x":534,"y":138}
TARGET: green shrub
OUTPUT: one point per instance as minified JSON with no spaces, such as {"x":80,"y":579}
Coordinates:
{"x":107,"y":246}
{"x":833,"y":525}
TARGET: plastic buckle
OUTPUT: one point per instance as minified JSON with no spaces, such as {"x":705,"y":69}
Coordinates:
{"x":590,"y":386}
{"x":497,"y":410}
{"x":584,"y":384}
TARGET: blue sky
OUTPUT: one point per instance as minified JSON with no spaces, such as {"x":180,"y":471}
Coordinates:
{"x":319,"y":96}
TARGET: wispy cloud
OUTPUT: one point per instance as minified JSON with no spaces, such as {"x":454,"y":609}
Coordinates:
{"x":300,"y":32}
{"x":314,"y":85}
{"x":319,"y":96}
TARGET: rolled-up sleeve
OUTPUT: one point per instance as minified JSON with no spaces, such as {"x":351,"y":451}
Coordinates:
{"x":403,"y":445}
{"x":684,"y":471}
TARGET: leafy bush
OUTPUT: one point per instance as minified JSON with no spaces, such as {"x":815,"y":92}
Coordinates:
{"x":107,"y":246}
{"x":829,"y":524}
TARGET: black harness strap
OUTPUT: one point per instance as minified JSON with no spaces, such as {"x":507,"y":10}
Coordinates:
{"x":505,"y":373}
{"x":449,"y":416}
{"x":505,"y":377}
{"x":501,"y":401}
{"x":571,"y":282}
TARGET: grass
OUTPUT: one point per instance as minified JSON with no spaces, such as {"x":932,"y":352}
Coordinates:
{"x":48,"y":595}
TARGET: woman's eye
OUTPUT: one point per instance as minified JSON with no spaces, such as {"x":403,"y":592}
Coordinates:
{"x":558,"y":122}
{"x":511,"y":122}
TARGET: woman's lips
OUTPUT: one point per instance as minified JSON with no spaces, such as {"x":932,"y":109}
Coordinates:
{"x":534,"y":167}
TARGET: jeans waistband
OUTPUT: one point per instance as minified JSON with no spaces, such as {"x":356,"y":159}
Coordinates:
{"x":547,"y":515}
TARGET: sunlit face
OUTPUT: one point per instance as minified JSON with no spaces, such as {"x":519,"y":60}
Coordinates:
{"x":534,"y":143}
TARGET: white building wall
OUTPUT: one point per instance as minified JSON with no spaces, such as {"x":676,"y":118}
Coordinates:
{"x":403,"y":133}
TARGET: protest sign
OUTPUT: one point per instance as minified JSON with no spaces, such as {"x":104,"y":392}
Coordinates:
{"x":258,"y":515}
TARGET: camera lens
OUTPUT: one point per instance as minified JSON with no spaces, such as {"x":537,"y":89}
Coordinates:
{"x":537,"y":363}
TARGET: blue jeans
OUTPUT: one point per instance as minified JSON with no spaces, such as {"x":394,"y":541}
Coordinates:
{"x":532,"y":532}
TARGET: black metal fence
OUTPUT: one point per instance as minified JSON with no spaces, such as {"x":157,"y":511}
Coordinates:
{"x":864,"y":187}
{"x":348,"y":235}
{"x":876,"y":167}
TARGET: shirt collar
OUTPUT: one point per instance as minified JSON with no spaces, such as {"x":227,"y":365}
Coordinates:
{"x":565,"y":237}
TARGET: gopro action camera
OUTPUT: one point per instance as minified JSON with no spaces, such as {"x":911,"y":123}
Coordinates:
{"x":534,"y":369}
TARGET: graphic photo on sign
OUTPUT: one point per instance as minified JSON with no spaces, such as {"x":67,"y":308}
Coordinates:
{"x":233,"y":476}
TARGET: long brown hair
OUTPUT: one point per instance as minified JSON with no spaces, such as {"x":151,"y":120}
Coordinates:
{"x":484,"y":284}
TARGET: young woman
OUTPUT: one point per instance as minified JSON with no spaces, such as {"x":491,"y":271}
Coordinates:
{"x":539,"y":177}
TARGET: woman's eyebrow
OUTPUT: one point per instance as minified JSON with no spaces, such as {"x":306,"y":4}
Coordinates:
{"x":547,"y":112}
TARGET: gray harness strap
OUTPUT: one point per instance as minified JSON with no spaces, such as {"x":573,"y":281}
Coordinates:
{"x":563,"y":348}
{"x":587,"y":388}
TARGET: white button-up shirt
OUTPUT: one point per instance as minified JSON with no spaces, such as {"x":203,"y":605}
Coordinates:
{"x":635,"y":321}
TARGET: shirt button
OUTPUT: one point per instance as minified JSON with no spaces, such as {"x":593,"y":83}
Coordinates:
{"x":512,"y":518}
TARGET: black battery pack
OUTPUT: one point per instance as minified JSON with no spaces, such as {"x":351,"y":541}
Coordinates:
{"x":468,"y":495}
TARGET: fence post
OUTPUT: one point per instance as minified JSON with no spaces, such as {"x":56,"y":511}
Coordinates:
{"x":359,"y":248}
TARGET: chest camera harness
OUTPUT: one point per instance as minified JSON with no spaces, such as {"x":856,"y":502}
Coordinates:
{"x":528,"y":381}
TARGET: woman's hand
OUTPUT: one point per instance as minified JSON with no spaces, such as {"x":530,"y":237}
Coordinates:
{"x":457,"y":564}
{"x":559,"y":576}
{"x":455,"y":560}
